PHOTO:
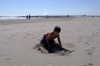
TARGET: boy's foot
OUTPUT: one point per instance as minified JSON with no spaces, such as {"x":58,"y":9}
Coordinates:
{"x":43,"y":50}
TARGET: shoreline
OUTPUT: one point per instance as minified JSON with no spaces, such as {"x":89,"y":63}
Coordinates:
{"x":18,"y":18}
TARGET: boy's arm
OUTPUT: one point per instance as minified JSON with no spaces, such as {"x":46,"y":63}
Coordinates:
{"x":47,"y":40}
{"x":59,"y":41}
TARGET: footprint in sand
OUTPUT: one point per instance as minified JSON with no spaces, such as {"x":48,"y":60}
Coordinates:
{"x":28,"y":34}
{"x":9,"y":38}
{"x":70,"y":45}
{"x":13,"y":35}
{"x":93,"y":34}
{"x":25,"y":37}
{"x":33,"y":37}
{"x":89,"y":40}
{"x":98,"y":29}
{"x":83,"y":65}
{"x":4,"y":34}
{"x":7,"y":59}
{"x":90,"y":51}
{"x":5,"y":29}
{"x":17,"y":33}
{"x":89,"y":64}
{"x":50,"y":64}
{"x":86,"y":43}
{"x":80,"y":38}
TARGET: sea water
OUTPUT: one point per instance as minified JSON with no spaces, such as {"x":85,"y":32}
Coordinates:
{"x":10,"y":18}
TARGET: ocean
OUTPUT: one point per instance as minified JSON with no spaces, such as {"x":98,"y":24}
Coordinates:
{"x":36,"y":17}
{"x":11,"y":18}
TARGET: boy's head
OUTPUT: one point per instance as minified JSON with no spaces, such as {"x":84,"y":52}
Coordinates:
{"x":57,"y":29}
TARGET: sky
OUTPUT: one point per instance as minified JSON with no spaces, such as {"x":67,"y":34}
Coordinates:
{"x":49,"y":7}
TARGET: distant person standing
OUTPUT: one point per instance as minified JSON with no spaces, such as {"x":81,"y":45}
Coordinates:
{"x":46,"y":16}
{"x":29,"y":16}
{"x":26,"y":16}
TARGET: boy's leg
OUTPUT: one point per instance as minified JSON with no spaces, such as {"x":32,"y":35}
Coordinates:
{"x":43,"y":50}
{"x":51,"y":49}
{"x":43,"y":39}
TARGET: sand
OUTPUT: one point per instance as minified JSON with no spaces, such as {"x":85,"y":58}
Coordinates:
{"x":18,"y":37}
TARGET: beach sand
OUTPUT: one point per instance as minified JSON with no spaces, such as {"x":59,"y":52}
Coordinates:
{"x":18,"y":37}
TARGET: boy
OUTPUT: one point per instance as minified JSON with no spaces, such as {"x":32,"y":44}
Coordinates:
{"x":48,"y":39}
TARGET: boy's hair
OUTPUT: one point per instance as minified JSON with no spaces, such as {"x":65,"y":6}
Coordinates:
{"x":57,"y":29}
